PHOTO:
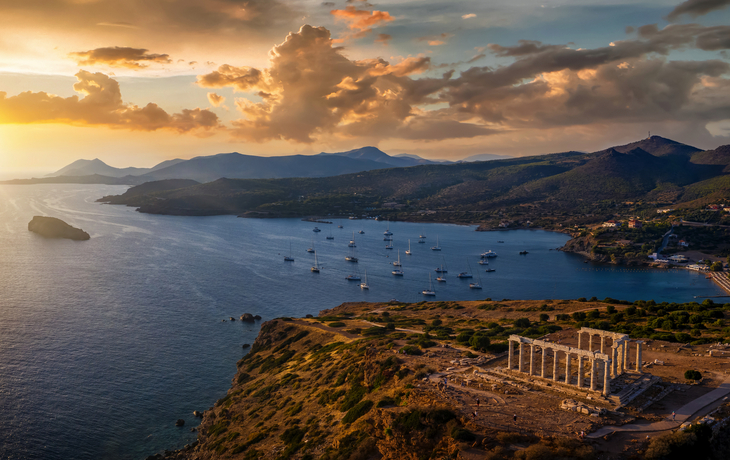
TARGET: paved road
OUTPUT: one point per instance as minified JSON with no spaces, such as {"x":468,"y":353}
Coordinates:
{"x":684,"y":413}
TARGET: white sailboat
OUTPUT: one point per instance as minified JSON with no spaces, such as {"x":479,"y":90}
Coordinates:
{"x":330,"y":237}
{"x":429,"y":292}
{"x":316,"y":230}
{"x":311,"y":248}
{"x":354,"y":276}
{"x":289,"y":258}
{"x":364,"y":284}
{"x":478,"y":284}
{"x":489,"y":254}
{"x":351,"y":257}
{"x":422,"y":236}
{"x":316,"y":267}
{"x":437,"y":247}
{"x":408,"y":252}
{"x":387,"y":231}
{"x":352,"y":241}
{"x":397,"y":262}
{"x":466,"y":273}
{"x":389,"y":244}
{"x":441,"y":268}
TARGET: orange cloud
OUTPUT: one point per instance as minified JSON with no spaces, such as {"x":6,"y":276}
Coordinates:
{"x":101,"y":104}
{"x":436,"y":40}
{"x":216,"y":100}
{"x":117,"y":56}
{"x":361,"y":21}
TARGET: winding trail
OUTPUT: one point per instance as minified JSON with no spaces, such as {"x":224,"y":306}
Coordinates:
{"x":684,"y":413}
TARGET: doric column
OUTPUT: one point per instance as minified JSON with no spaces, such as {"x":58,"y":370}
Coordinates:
{"x":542,"y":367}
{"x":555,"y":365}
{"x":593,"y":374}
{"x":627,"y":345}
{"x":590,"y":342}
{"x":567,"y":367}
{"x":603,"y":339}
{"x":579,"y":336}
{"x":511,"y":353}
{"x":606,"y":381}
{"x":619,"y":359}
{"x":519,"y":363}
{"x":638,"y":356}
{"x":580,"y":371}
{"x":613,"y":362}
{"x":532,"y":358}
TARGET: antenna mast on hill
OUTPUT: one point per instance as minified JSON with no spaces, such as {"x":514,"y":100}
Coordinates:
{"x":649,"y":135}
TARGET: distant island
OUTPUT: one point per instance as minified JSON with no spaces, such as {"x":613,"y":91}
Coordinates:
{"x":50,"y":227}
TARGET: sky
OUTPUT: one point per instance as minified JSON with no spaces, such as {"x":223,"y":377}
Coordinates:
{"x":137,"y":82}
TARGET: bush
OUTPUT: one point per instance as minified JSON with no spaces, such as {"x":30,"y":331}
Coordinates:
{"x":610,"y":309}
{"x":544,"y":317}
{"x":462,"y":434}
{"x":683,"y":337}
{"x":692,"y":375}
{"x":411,"y":350}
{"x":522,"y":322}
{"x":579,"y":316}
{"x":436,"y":322}
{"x":358,"y":411}
{"x":464,"y":337}
{"x":479,"y":342}
{"x":337,"y":324}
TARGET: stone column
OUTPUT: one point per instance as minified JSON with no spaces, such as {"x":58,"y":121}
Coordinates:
{"x":542,"y":367}
{"x":593,"y":374}
{"x":602,"y":341}
{"x":567,"y":368}
{"x":555,"y":365}
{"x":638,"y":356}
{"x":519,"y":363}
{"x":590,"y":342}
{"x":532,"y":358}
{"x":580,"y":371}
{"x":511,"y":353}
{"x":613,"y":362}
{"x":619,"y":359}
{"x":606,"y":381}
{"x":579,"y":336}
{"x":627,"y":346}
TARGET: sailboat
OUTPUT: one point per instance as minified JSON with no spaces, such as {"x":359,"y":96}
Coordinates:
{"x":289,"y":258}
{"x":422,"y":236}
{"x":361,"y":232}
{"x":351,"y":257}
{"x":389,"y":244}
{"x":330,"y":237}
{"x":465,"y":274}
{"x":408,"y":252}
{"x":352,"y":241}
{"x":437,"y":247}
{"x":478,"y":284}
{"x":316,"y":267}
{"x":354,"y":276}
{"x":397,"y":262}
{"x":387,"y":231}
{"x":441,"y":269}
{"x":486,"y":262}
{"x":364,"y":284}
{"x":429,"y":292}
{"x":311,"y":249}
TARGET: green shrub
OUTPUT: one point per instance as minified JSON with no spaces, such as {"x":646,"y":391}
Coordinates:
{"x":358,"y":411}
{"x":462,"y":434}
{"x":692,"y":375}
{"x":544,"y":317}
{"x":411,"y":350}
{"x":479,"y":342}
{"x":386,"y":401}
{"x":337,"y":324}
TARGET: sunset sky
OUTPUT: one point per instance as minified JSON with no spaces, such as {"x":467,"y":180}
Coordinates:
{"x":136,"y":82}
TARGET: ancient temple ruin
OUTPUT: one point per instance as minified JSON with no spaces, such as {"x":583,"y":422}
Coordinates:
{"x":607,"y":359}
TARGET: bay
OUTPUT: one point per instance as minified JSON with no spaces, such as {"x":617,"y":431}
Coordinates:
{"x":105,"y":343}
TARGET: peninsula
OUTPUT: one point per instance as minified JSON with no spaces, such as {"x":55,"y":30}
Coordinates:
{"x":50,"y":227}
{"x":570,"y":379}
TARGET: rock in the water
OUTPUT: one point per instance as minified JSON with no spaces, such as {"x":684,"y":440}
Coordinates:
{"x":197,"y":413}
{"x":50,"y":227}
{"x":257,"y":317}
{"x":248,"y":317}
{"x":232,"y":318}
{"x":245,"y":345}
{"x":180,"y":422}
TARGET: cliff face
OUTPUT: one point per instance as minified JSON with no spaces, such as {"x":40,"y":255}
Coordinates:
{"x":50,"y":227}
{"x":304,"y":392}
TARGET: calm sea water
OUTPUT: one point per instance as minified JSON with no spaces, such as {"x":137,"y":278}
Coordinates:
{"x":105,"y":343}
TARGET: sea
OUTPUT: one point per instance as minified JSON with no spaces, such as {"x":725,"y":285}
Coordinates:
{"x":105,"y":343}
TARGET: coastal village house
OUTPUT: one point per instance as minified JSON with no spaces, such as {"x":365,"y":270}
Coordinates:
{"x":634,"y":223}
{"x":612,"y":224}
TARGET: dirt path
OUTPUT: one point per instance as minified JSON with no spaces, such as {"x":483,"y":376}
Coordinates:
{"x":684,"y":413}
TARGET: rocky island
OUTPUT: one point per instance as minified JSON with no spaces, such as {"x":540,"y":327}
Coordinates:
{"x":567,"y":379}
{"x":50,"y":227}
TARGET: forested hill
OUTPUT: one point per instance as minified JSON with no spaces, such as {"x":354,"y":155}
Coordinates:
{"x":655,"y":170}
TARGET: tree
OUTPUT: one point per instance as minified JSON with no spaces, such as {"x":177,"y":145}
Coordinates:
{"x":544,"y":317}
{"x":479,"y":342}
{"x":610,"y":309}
{"x":522,"y":322}
{"x":692,"y":375}
{"x":716,"y":267}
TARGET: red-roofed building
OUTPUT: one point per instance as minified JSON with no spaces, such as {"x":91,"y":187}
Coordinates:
{"x":634,"y":223}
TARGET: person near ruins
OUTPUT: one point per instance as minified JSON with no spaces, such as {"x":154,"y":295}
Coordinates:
{"x":514,"y":417}
{"x":477,"y":403}
{"x":673,"y":415}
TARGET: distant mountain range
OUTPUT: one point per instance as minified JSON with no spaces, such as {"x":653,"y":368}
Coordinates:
{"x":239,"y":166}
{"x":651,"y":170}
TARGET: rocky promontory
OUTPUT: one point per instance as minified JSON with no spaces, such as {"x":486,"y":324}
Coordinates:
{"x":50,"y":227}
